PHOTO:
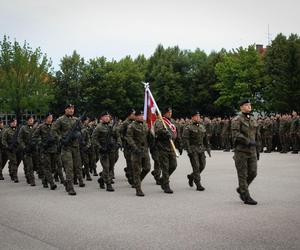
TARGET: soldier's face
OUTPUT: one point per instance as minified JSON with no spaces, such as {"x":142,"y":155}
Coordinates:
{"x":49,"y":119}
{"x":69,"y":111}
{"x":1,"y":125}
{"x":105,"y":118}
{"x":30,"y":121}
{"x":168,"y":114}
{"x":196,"y":118}
{"x":140,"y":118}
{"x":246,"y":108}
{"x":13,"y":124}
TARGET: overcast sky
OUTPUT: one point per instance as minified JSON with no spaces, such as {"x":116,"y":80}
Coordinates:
{"x":116,"y":28}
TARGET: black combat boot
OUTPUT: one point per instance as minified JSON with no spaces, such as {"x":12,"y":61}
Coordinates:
{"x":16,"y":180}
{"x":249,"y":200}
{"x":81,"y":184}
{"x":95,"y":172}
{"x":158,"y":181}
{"x":32,"y":183}
{"x":88,"y":176}
{"x":199,"y":186}
{"x":70,"y":189}
{"x":45,"y":184}
{"x":242,"y":196}
{"x":139,"y":192}
{"x":109,"y":188}
{"x":53,"y":186}
{"x":190,"y":178}
{"x":75,"y":182}
{"x":56,"y":177}
{"x":101,"y":183}
{"x":167,"y":189}
{"x":143,"y":174}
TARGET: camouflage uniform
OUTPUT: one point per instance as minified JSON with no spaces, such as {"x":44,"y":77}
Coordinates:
{"x":138,"y":137}
{"x":268,"y":135}
{"x":127,"y":150}
{"x":244,"y":133}
{"x":225,"y":135}
{"x":27,"y":146}
{"x":14,"y":153}
{"x":167,"y":155}
{"x":105,"y":137}
{"x":49,"y":154}
{"x":85,"y":147}
{"x":70,"y":153}
{"x":195,"y":142}
{"x":293,"y":133}
{"x":3,"y":155}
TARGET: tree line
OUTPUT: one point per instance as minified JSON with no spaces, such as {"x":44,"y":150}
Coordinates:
{"x":186,"y":80}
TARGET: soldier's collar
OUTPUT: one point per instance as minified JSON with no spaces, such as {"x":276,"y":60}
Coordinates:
{"x":196,"y":123}
{"x":248,"y":115}
{"x":69,"y":116}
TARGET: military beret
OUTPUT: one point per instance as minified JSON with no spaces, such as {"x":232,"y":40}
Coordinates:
{"x":139,"y":112}
{"x":130,"y":112}
{"x":166,"y":110}
{"x":12,"y":120}
{"x":29,"y":117}
{"x":48,"y":114}
{"x":104,"y":113}
{"x":84,"y":118}
{"x":194,"y":112}
{"x":244,"y":101}
{"x":69,"y":105}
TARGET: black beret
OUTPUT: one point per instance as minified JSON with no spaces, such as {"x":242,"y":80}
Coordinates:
{"x":48,"y":114}
{"x":104,"y":113}
{"x":130,"y":112}
{"x":29,"y":117}
{"x":139,"y":112}
{"x":244,"y":101}
{"x":166,"y":110}
{"x":12,"y":120}
{"x":69,"y":105}
{"x":194,"y":112}
{"x":84,"y":118}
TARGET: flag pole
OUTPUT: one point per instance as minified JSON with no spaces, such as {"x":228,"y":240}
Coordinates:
{"x":147,"y":89}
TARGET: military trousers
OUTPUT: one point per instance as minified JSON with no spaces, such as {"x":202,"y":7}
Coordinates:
{"x":108,"y":161}
{"x":140,"y":166}
{"x":14,"y":158}
{"x":156,"y":168}
{"x":246,"y":166}
{"x":28,"y":167}
{"x":198,"y":162}
{"x":71,"y":162}
{"x":168,"y":165}
{"x":128,"y":158}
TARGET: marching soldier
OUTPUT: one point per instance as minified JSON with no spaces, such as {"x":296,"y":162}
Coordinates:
{"x":195,"y":142}
{"x":293,"y":132}
{"x":167,"y":156}
{"x":93,"y":152}
{"x":10,"y":143}
{"x":27,"y":146}
{"x":139,"y":139}
{"x":246,"y":153}
{"x":3,"y":155}
{"x":105,"y":137}
{"x":126,"y":147}
{"x":67,"y":129}
{"x":85,"y":147}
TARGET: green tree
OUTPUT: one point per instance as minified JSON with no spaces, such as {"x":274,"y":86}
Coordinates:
{"x":25,"y":79}
{"x":282,"y":65}
{"x":240,"y":75}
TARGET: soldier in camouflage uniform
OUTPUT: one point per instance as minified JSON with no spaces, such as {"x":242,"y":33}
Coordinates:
{"x":139,"y":139}
{"x":225,"y":134}
{"x":14,"y":154}
{"x":167,"y":156}
{"x":93,"y":152}
{"x":27,"y":146}
{"x":268,"y":134}
{"x":195,"y":142}
{"x":85,"y":147}
{"x":293,"y":132}
{"x":3,"y":155}
{"x":106,"y":138}
{"x":126,"y":148}
{"x":70,"y":153}
{"x":49,"y":151}
{"x":246,"y":154}
{"x":283,"y":130}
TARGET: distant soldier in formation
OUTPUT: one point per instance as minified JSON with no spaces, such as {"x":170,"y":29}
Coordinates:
{"x":85,"y":147}
{"x":295,"y":126}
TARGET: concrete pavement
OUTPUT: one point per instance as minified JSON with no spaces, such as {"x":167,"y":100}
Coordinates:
{"x":38,"y":218}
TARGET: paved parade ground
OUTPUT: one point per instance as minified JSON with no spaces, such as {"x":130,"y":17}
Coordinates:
{"x":38,"y":218}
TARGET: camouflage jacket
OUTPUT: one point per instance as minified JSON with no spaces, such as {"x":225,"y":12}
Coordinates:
{"x":138,"y":137}
{"x":45,"y":137}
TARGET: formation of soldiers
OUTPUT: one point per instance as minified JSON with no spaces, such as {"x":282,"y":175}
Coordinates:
{"x":67,"y":150}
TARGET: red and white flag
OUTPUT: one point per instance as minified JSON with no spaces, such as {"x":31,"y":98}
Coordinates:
{"x":150,"y":108}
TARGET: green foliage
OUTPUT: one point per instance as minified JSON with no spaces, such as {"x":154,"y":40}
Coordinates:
{"x":240,"y":75}
{"x":25,"y":81}
{"x":282,"y":66}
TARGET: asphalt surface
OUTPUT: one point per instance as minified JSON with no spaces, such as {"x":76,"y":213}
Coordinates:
{"x":38,"y":218}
